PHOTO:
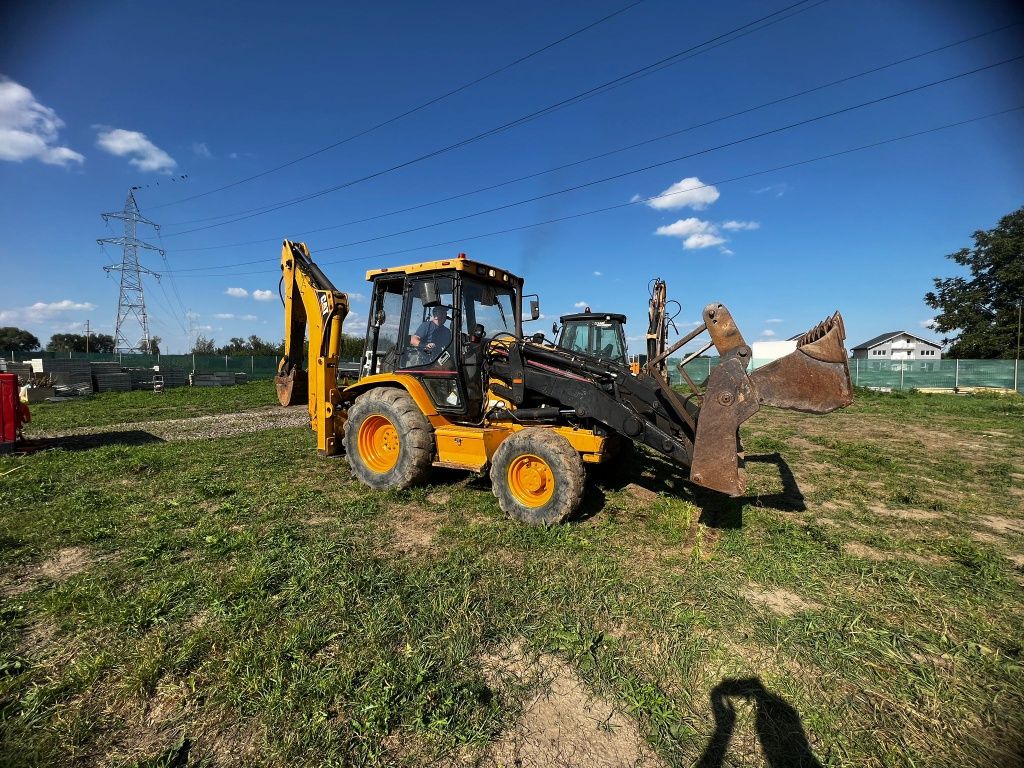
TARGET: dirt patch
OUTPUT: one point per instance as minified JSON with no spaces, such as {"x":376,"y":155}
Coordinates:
{"x":986,"y":538}
{"x":906,"y":514}
{"x":1002,"y":524}
{"x":170,"y":728}
{"x":413,"y":529}
{"x":440,"y":498}
{"x":640,"y":494}
{"x":1017,"y":560}
{"x":865,"y":552}
{"x":563,"y":723}
{"x":57,"y":568}
{"x":778,"y":600}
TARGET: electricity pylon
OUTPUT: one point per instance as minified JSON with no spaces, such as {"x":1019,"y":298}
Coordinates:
{"x":131,"y":303}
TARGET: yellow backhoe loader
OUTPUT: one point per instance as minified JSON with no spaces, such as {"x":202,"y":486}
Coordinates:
{"x":448,"y":379}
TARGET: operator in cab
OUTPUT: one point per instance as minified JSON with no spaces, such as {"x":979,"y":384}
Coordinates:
{"x":433,"y":335}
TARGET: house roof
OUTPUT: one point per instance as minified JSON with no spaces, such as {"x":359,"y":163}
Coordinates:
{"x":882,"y":338}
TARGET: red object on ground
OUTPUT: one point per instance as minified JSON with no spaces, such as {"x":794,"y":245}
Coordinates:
{"x":12,"y":412}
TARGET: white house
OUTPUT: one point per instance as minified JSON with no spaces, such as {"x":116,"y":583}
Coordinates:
{"x":898,"y":345}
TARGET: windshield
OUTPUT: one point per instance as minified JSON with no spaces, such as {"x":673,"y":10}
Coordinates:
{"x":594,"y":337}
{"x":490,"y":306}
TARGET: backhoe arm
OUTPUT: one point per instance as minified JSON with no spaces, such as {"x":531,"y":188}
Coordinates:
{"x":310,"y":299}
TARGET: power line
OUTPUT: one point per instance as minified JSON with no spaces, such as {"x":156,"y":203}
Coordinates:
{"x":648,"y":69}
{"x":644,"y":168}
{"x":662,"y":137}
{"x":620,"y":206}
{"x":413,"y":110}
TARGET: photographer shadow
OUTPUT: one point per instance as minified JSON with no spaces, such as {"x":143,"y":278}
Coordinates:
{"x":779,"y":728}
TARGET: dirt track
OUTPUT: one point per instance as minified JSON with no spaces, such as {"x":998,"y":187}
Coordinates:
{"x":194,"y":428}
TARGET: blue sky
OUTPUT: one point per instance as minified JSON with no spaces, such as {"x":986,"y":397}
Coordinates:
{"x":99,"y":98}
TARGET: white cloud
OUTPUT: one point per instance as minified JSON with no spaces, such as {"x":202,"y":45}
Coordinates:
{"x":356,"y":296}
{"x":200,"y":149}
{"x":736,"y":226}
{"x":580,"y":305}
{"x":725,"y":251}
{"x":690,"y":192}
{"x":262,"y":295}
{"x":142,"y":153}
{"x":774,"y":320}
{"x":249,"y":318}
{"x":778,"y":190}
{"x":767,"y":333}
{"x":238,"y":293}
{"x":929,"y":323}
{"x":28,"y":129}
{"x":598,"y":274}
{"x":695,"y":233}
{"x":43,"y":311}
{"x":224,"y":316}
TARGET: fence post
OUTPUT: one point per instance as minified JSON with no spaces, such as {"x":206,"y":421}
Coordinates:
{"x":1016,"y":365}
{"x":709,"y":367}
{"x":956,"y":375}
{"x":856,"y":371}
{"x":902,"y":368}
{"x":252,"y":364}
{"x":225,"y":362}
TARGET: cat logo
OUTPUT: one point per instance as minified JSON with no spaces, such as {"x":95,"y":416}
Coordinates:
{"x":324,"y":309}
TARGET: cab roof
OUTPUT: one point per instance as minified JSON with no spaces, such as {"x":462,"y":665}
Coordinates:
{"x":459,"y":263}
{"x":593,"y":316}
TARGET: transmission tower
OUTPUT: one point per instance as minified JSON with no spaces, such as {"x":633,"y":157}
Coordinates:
{"x":131,"y":304}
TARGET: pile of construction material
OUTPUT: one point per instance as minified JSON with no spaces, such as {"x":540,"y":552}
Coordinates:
{"x":218,"y":378}
{"x":22,"y":370}
{"x":69,"y":376}
{"x":172,"y":377}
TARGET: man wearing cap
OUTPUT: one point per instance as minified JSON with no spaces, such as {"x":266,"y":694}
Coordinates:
{"x":433,"y":335}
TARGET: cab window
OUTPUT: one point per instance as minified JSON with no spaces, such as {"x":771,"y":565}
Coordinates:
{"x":430,"y":326}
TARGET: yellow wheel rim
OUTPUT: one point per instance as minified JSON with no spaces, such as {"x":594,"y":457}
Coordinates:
{"x":379,"y":443}
{"x":531,"y":480}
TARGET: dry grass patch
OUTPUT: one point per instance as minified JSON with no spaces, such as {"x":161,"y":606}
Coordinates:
{"x":863,"y":551}
{"x":563,"y":722}
{"x":413,"y":529}
{"x":1003,"y":525}
{"x":778,"y":600}
{"x":906,"y":514}
{"x":57,"y":568}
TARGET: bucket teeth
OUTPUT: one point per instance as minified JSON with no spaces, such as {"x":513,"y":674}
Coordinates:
{"x":821,"y":329}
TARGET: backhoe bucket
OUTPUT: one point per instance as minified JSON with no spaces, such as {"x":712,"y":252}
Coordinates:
{"x":292,"y":387}
{"x":815,"y":378}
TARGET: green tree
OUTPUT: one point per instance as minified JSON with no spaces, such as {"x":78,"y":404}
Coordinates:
{"x":153,"y":348}
{"x":17,"y":340}
{"x":66,"y":342}
{"x":101,"y":342}
{"x":204,"y":346}
{"x":983,"y":309}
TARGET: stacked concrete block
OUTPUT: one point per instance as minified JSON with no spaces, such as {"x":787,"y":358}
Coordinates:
{"x":22,"y":370}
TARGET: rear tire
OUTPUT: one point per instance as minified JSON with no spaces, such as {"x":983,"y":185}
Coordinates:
{"x":388,"y":441}
{"x":537,"y":477}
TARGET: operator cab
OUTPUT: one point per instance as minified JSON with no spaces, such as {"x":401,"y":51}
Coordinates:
{"x":598,"y":334}
{"x":432,"y":321}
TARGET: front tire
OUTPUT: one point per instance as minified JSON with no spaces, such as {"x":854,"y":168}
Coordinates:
{"x":388,"y":441}
{"x":537,"y":477}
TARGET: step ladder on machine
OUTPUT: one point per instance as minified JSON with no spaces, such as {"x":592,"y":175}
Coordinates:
{"x":158,"y":383}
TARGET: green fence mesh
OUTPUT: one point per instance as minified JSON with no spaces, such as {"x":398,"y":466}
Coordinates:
{"x":899,"y":375}
{"x":887,"y":374}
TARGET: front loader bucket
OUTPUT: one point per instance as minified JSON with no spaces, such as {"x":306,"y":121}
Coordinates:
{"x":815,"y":378}
{"x":292,"y":387}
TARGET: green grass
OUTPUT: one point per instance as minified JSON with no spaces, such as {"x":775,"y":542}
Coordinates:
{"x":129,"y":407}
{"x":241,"y":601}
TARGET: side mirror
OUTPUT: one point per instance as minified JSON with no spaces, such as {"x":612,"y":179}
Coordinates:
{"x":534,"y":309}
{"x":431,"y":296}
{"x":554,"y":329}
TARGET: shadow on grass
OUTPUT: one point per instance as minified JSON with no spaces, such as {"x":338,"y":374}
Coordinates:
{"x":778,"y":725}
{"x":88,"y":442}
{"x":717,"y":510}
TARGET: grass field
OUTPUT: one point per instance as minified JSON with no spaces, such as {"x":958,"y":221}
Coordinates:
{"x":240,"y":601}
